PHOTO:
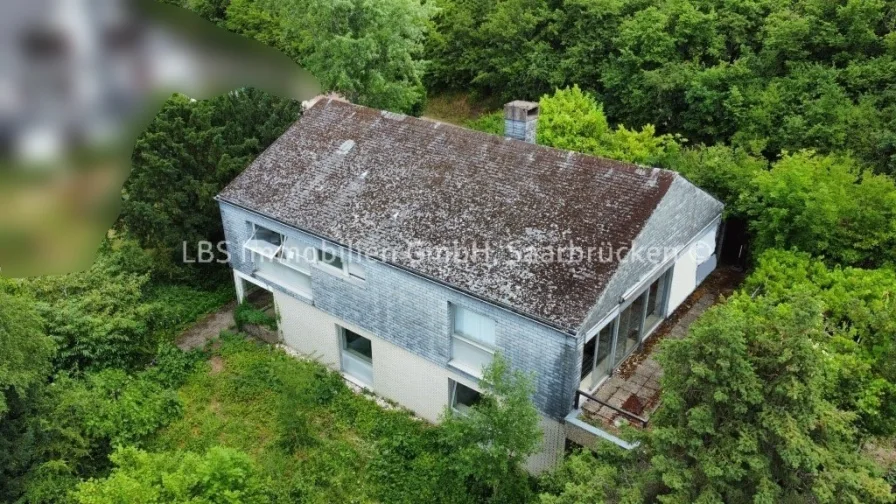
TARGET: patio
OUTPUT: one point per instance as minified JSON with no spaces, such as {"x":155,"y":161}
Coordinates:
{"x":632,"y":393}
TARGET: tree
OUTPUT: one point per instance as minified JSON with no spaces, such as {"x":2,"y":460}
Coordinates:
{"x":491,"y":441}
{"x":221,"y":475}
{"x":369,"y":51}
{"x":25,"y":347}
{"x":745,"y":417}
{"x":608,"y":474}
{"x":824,"y":205}
{"x":860,"y":314}
{"x":189,"y":152}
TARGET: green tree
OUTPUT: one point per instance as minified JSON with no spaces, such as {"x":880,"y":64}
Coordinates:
{"x":369,"y":51}
{"x":606,"y":475}
{"x":491,"y":442}
{"x":25,"y":347}
{"x":860,"y":314}
{"x":221,"y":475}
{"x":745,"y":417}
{"x":824,"y":205}
{"x":189,"y":152}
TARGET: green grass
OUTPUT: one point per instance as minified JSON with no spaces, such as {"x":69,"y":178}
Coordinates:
{"x":314,"y":438}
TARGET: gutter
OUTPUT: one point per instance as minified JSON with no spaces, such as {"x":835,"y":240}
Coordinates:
{"x":551,"y":325}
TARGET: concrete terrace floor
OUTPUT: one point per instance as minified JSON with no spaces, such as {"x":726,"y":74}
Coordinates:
{"x":635,"y":384}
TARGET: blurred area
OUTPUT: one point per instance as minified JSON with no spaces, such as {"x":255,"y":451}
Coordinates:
{"x":79,"y":80}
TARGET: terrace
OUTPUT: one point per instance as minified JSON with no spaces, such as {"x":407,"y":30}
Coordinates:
{"x":630,"y":396}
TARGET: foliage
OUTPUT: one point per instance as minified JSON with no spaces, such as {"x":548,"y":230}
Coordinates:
{"x":221,"y":475}
{"x":25,"y":348}
{"x":67,"y":429}
{"x":245,"y":313}
{"x":113,"y":314}
{"x":492,"y":440}
{"x":609,"y":474}
{"x":824,"y":205}
{"x":761,"y":75}
{"x":745,"y":417}
{"x":368,"y":51}
{"x":189,"y":152}
{"x":371,"y":52}
{"x":573,"y":120}
{"x":860,"y":314}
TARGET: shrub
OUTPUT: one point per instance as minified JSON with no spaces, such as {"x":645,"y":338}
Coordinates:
{"x":221,"y":475}
{"x":245,"y":314}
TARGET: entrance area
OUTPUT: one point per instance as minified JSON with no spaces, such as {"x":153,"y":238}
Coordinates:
{"x":639,"y":316}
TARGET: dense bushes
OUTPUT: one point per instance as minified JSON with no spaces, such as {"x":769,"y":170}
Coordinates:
{"x":219,"y":475}
{"x":860,"y":318}
{"x":371,"y":52}
{"x":760,"y":75}
{"x":187,"y":154}
{"x":746,"y":415}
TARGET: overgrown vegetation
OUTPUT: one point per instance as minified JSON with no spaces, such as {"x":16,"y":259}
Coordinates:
{"x":245,"y":313}
{"x":783,"y":110}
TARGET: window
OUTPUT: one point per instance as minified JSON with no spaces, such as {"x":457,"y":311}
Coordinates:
{"x":357,"y":356}
{"x":463,"y":398}
{"x":264,"y":242}
{"x":356,"y":270}
{"x":473,"y":341}
{"x":279,"y":260}
{"x":295,"y":255}
{"x":330,"y":259}
{"x":656,"y":301}
{"x":596,"y":362}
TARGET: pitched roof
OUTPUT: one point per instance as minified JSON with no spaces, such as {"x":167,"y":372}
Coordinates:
{"x":378,"y":181}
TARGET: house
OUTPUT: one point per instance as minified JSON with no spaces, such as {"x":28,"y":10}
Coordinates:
{"x":405,"y":253}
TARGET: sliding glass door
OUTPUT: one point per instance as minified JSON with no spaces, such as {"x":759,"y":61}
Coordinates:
{"x":618,"y":339}
{"x":596,"y":362}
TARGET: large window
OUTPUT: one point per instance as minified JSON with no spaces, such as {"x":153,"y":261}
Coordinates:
{"x":473,"y":340}
{"x":279,"y":260}
{"x":357,"y":356}
{"x":656,"y":301}
{"x":618,"y":339}
{"x":596,"y":361}
{"x":463,"y":398}
{"x":264,"y":242}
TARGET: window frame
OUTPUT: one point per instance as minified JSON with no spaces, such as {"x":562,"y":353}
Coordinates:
{"x":488,"y":351}
{"x":360,"y":360}
{"x":452,"y":396}
{"x":345,"y":261}
{"x":262,"y":251}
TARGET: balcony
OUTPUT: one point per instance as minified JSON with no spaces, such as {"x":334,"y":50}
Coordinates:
{"x":630,"y":396}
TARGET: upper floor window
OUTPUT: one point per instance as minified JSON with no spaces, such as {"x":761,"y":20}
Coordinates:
{"x":329,"y":258}
{"x":473,"y":341}
{"x":279,"y":259}
{"x":348,"y":267}
{"x":264,"y":242}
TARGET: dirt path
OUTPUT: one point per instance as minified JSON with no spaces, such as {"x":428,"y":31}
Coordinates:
{"x":207,"y":329}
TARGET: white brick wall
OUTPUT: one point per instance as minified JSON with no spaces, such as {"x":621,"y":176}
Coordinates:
{"x":414,"y":382}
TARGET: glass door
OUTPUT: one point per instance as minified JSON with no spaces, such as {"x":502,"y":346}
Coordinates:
{"x":629,"y":328}
{"x":596,"y":362}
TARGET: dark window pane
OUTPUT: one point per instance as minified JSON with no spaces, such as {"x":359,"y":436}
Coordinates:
{"x":358,"y":345}
{"x":588,"y":357}
{"x":465,"y":397}
{"x":329,"y":258}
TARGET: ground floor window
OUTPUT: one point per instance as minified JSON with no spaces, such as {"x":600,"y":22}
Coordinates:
{"x":463,"y":398}
{"x":357,"y":356}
